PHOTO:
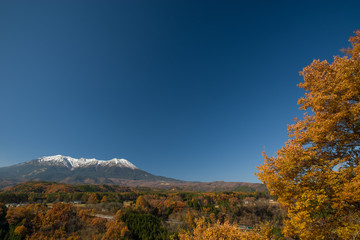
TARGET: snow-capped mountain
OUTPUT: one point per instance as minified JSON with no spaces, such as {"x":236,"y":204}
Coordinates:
{"x":61,"y":168}
{"x":69,"y":162}
{"x":66,"y":169}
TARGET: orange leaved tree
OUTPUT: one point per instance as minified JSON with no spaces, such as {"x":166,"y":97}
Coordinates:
{"x":316,"y":175}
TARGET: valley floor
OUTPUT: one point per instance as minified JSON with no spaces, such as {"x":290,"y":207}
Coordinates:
{"x":39,"y":210}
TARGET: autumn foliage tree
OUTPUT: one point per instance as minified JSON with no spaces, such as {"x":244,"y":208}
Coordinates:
{"x":116,"y":229}
{"x":316,"y":175}
{"x":225,"y":231}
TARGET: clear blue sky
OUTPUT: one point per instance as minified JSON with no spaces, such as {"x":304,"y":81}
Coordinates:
{"x":193,"y":90}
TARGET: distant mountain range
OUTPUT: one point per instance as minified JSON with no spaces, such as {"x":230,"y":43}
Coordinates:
{"x":65,"y":169}
{"x":60,"y":168}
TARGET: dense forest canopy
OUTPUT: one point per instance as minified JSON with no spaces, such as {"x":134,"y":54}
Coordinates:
{"x":48,"y":210}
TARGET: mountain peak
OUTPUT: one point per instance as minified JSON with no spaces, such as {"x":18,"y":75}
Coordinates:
{"x":69,"y":162}
{"x":61,"y":168}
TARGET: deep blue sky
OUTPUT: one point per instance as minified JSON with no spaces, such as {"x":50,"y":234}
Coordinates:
{"x":193,"y":90}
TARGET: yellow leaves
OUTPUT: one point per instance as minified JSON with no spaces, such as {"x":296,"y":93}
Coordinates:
{"x":62,"y":221}
{"x":226,"y":231}
{"x":104,"y":199}
{"x":332,"y":88}
{"x":20,"y":231}
{"x":142,"y":204}
{"x":14,"y":215}
{"x":73,"y":238}
{"x":316,"y":174}
{"x":354,"y":52}
{"x":211,"y":232}
{"x":99,"y":224}
{"x":93,"y":198}
{"x":189,"y":219}
{"x":348,"y":231}
{"x":116,"y":230}
{"x":119,"y":215}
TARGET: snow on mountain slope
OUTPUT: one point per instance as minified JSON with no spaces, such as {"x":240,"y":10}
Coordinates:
{"x":69,"y":162}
